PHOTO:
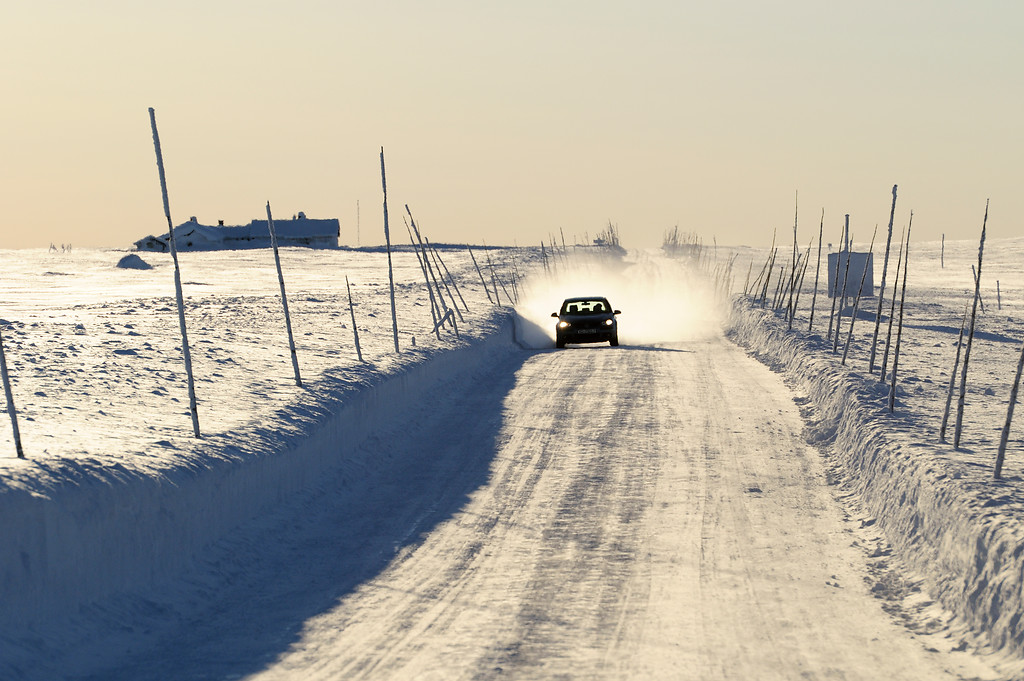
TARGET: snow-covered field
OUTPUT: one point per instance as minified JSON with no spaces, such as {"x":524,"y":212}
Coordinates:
{"x":116,"y":495}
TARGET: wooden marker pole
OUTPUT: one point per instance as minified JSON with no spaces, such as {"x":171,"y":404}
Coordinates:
{"x":892,"y":310}
{"x":899,"y":326}
{"x":970,"y":338}
{"x":352,"y":313}
{"x":387,"y":240}
{"x":1005,"y":436}
{"x":483,"y":282}
{"x":881,"y":287}
{"x":9,"y":394}
{"x":177,"y":279}
{"x":284,"y":296}
{"x":952,"y":379}
{"x":856,"y":301}
{"x":817,"y":271}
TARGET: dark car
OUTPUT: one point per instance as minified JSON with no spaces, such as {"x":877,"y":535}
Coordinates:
{"x":586,"y":320}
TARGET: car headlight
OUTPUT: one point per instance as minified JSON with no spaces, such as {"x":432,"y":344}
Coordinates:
{"x":609,"y":322}
{"x":563,"y":325}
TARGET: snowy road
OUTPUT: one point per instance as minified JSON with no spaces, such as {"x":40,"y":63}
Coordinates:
{"x":621,"y":513}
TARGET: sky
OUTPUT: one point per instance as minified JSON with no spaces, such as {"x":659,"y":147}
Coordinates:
{"x":507,"y":123}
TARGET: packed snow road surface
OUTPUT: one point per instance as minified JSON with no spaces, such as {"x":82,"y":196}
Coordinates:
{"x":594,"y":512}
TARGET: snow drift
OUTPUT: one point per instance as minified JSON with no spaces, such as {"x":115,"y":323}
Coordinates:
{"x":112,"y":529}
{"x":966,"y":557}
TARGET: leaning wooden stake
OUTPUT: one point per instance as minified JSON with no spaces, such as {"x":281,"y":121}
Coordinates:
{"x":842,"y":302}
{"x":817,"y":271}
{"x":440,"y":275}
{"x":881,"y":287}
{"x":899,"y":327}
{"x":452,"y":279}
{"x":446,"y":312}
{"x":387,"y":241}
{"x":352,"y":313}
{"x":1001,"y":456}
{"x":185,"y":351}
{"x":435,"y":309}
{"x":768,"y":278}
{"x":483,"y":282}
{"x":9,"y":394}
{"x":856,"y":301}
{"x":981,"y":300}
{"x":835,"y":288}
{"x":892,"y":310}
{"x":284,"y":297}
{"x":799,"y":287}
{"x":494,"y":278}
{"x":793,"y":280}
{"x":970,"y":339}
{"x":952,"y":379}
{"x":756,"y":285}
{"x":780,"y":288}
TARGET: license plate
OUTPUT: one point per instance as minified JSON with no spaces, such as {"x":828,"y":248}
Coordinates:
{"x":588,"y":331}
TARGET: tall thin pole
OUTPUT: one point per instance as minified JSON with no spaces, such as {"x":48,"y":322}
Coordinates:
{"x":799,"y":286}
{"x":440,"y":275}
{"x":817,"y":270}
{"x":443,"y":310}
{"x":892,"y":311}
{"x":387,"y":240}
{"x":899,"y":326}
{"x":952,"y":379}
{"x":860,"y":292}
{"x":435,"y":310}
{"x":1005,"y":436}
{"x":846,"y":277}
{"x":835,"y":287}
{"x":452,"y":279}
{"x":177,"y":279}
{"x":881,"y":288}
{"x":352,"y":313}
{"x":483,"y":282}
{"x":9,"y":393}
{"x":284,"y":296}
{"x":970,"y":338}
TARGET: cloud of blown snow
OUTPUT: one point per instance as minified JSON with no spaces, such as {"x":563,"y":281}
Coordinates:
{"x":663,"y":300}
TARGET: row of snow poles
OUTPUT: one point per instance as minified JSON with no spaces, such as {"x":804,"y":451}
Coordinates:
{"x":439,"y":319}
{"x":430,"y":261}
{"x":966,"y":348}
{"x":790,"y":280}
{"x":794,"y":282}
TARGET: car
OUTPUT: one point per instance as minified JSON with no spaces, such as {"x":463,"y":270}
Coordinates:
{"x":589,"y":319}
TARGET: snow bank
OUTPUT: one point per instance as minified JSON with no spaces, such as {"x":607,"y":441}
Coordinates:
{"x":947,"y":529}
{"x":133,"y":262}
{"x":91,"y":529}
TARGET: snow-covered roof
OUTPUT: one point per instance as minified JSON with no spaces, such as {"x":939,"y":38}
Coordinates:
{"x":299,"y":228}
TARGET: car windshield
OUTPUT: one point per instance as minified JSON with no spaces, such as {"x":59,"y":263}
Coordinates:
{"x":584,"y":307}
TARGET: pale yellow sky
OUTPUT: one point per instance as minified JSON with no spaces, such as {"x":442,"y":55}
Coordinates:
{"x":507,"y":123}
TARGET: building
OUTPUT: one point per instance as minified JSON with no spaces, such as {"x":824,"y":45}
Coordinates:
{"x":300,"y":231}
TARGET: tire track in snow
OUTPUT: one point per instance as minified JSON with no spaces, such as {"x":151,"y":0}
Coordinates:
{"x":644,"y":513}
